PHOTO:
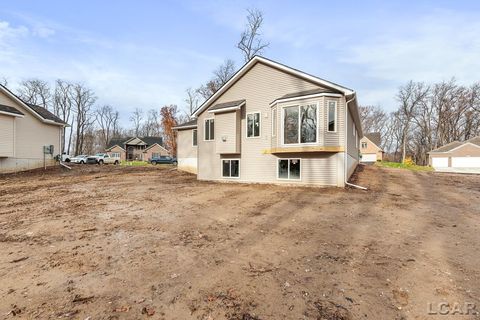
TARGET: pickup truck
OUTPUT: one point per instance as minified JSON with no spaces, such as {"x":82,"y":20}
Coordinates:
{"x":164,"y":160}
{"x":102,"y":158}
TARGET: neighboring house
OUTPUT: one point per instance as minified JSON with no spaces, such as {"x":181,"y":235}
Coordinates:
{"x":187,"y":141}
{"x":274,"y":124}
{"x":136,"y":148}
{"x":457,"y":155}
{"x":370,"y":149}
{"x":30,"y":136}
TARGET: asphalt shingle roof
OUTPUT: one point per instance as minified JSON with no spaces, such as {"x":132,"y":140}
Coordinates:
{"x":475,"y":140}
{"x":45,"y":114}
{"x":187,"y":124}
{"x":225,"y":105}
{"x":9,"y":109}
{"x":448,"y":147}
{"x":375,"y":137}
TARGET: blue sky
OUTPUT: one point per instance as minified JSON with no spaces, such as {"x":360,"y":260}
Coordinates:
{"x":146,"y":53}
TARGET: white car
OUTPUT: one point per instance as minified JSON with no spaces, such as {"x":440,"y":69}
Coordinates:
{"x":80,"y":159}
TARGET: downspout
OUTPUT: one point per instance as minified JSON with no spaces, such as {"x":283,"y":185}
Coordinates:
{"x":346,"y":147}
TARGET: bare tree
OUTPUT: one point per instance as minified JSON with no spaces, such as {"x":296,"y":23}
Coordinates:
{"x":83,"y":100}
{"x":62,"y":107}
{"x":35,"y":91}
{"x":191,"y":100}
{"x":136,"y":118}
{"x":250,"y":42}
{"x":220,"y":76}
{"x":107,"y":119}
{"x":4,"y":81}
{"x":374,"y":119}
{"x":410,"y":97}
{"x":152,"y":126}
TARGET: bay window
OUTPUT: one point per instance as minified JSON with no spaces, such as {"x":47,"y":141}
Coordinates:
{"x":300,"y":124}
{"x":332,"y":116}
{"x":289,"y":169}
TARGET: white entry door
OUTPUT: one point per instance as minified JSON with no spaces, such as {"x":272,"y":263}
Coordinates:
{"x":440,"y":162}
{"x":466,"y":162}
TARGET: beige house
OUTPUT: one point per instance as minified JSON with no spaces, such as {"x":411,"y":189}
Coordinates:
{"x":370,"y":149}
{"x":456,"y":155}
{"x":274,"y":124}
{"x":30,"y":136}
{"x":136,"y":148}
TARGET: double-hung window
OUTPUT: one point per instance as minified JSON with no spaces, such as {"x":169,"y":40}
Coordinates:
{"x":209,"y":130}
{"x":253,"y":125}
{"x":274,"y":122}
{"x":364,"y":145}
{"x":289,"y":169}
{"x":230,"y":168}
{"x":332,"y":116}
{"x":300,"y":124}
{"x":194,"y":137}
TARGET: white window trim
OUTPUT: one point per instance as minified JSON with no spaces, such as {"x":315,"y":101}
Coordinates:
{"x":195,"y":145}
{"x":260,"y":125}
{"x":282,"y":120}
{"x":289,"y":179}
{"x":204,"y":126}
{"x":239,"y":168}
{"x":274,"y":121}
{"x":114,"y":154}
{"x":336,"y":116}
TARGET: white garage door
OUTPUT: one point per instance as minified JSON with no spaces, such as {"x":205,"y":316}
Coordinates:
{"x":466,"y":162}
{"x":440,"y":162}
{"x":369,"y":157}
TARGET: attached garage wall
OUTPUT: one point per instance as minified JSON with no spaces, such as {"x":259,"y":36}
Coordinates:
{"x":440,"y":162}
{"x":466,"y":162}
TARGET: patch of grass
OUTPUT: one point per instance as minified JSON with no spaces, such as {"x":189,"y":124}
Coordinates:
{"x":135,"y":163}
{"x":398,"y":165}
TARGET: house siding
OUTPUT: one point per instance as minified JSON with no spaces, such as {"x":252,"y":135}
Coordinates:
{"x":371,"y":148}
{"x":186,"y":152}
{"x":117,"y":149}
{"x":31,"y":135}
{"x":260,"y":86}
{"x":7,"y":136}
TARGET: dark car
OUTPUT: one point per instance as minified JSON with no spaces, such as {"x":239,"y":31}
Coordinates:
{"x":164,"y":160}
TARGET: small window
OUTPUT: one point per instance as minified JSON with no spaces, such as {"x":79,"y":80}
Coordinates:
{"x":364,"y":145}
{"x":155,"y":155}
{"x":209,"y":130}
{"x":274,"y":122}
{"x":289,"y":169}
{"x":332,"y":116}
{"x":115,"y":155}
{"x":194,"y":137}
{"x":253,"y":125}
{"x":230,"y":168}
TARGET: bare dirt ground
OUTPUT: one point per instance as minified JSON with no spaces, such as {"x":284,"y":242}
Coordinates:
{"x":133,"y":243}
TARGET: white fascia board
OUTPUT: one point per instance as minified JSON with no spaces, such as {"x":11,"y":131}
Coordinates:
{"x":337,"y":95}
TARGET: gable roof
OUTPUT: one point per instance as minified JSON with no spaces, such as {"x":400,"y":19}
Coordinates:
{"x":475,"y":140}
{"x":192,"y":124}
{"x":39,"y":112}
{"x":10,"y":111}
{"x":448,"y":147}
{"x":149,"y":141}
{"x":271,"y":63}
{"x":374,"y":137}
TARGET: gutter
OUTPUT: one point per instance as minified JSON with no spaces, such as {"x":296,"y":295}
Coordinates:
{"x":345,"y":169}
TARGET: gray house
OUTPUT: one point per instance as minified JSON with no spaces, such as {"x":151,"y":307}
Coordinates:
{"x":273,"y":124}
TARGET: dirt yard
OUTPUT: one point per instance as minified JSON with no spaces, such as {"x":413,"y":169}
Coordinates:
{"x":133,"y":243}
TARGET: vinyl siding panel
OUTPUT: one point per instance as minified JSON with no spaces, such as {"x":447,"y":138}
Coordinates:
{"x":186,"y":152}
{"x":259,"y":87}
{"x":31,"y":134}
{"x":332,"y":139}
{"x":7,"y":136}
{"x":226,"y":127}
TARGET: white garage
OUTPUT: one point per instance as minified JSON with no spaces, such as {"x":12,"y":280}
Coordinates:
{"x":369,"y":157}
{"x":466,"y":162}
{"x":440,"y":162}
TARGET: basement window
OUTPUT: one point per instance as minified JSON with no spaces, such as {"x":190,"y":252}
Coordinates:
{"x":231,"y":168}
{"x":289,"y":169}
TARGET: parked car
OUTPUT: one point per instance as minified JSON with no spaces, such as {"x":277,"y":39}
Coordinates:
{"x":102,"y":158}
{"x":66,"y":157}
{"x":164,"y":160}
{"x":80,"y":159}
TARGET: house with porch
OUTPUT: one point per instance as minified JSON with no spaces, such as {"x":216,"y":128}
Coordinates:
{"x":136,"y":148}
{"x":271,"y":123}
